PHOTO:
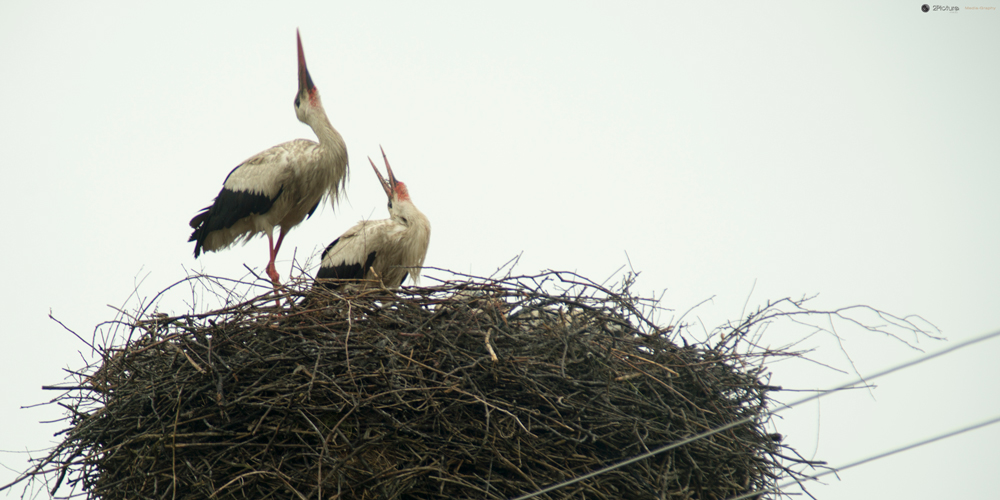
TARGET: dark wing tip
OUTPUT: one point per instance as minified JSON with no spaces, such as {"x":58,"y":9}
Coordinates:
{"x":199,"y":219}
{"x":345,"y":271}
{"x":199,"y":242}
{"x":198,"y":235}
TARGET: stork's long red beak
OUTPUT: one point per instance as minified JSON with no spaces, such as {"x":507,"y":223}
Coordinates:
{"x":390,"y":186}
{"x":305,"y":81}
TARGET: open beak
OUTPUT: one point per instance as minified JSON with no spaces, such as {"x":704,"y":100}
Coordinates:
{"x":306,"y":86}
{"x":390,"y":186}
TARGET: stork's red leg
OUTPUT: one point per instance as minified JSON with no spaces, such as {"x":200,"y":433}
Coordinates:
{"x":281,"y":237}
{"x":271,"y":271}
{"x":273,"y":251}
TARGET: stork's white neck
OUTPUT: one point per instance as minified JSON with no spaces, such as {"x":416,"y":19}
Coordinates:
{"x":329,"y":138}
{"x":415,"y":236}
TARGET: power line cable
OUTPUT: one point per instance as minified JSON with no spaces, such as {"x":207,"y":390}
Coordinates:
{"x":742,"y":421}
{"x":869,"y":459}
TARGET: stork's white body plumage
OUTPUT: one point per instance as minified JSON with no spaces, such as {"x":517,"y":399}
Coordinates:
{"x":278,"y":187}
{"x":386,"y":250}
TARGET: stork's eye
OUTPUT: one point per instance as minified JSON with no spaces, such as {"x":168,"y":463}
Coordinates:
{"x":298,"y":101}
{"x":390,"y":205}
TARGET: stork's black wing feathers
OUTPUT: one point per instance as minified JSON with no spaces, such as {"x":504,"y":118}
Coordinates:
{"x":345,"y":271}
{"x":228,"y":208}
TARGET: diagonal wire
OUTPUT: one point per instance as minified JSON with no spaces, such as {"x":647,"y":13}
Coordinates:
{"x":871,"y":458}
{"x":742,"y":421}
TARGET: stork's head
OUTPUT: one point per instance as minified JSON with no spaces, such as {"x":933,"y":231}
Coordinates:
{"x":395,"y":190}
{"x":307,"y":100}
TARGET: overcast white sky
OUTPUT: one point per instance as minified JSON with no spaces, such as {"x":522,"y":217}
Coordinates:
{"x":849,"y":149}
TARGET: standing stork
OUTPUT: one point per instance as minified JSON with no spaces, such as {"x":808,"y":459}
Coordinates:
{"x":278,"y":187}
{"x":389,"y":249}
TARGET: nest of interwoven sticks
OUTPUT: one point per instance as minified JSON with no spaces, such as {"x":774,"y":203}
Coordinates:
{"x":475,"y":388}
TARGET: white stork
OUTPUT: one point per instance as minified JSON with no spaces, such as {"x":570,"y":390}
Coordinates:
{"x":389,"y":249}
{"x":277,"y":187}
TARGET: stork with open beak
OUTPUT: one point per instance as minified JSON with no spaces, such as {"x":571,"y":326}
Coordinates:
{"x":389,"y":249}
{"x":278,"y":187}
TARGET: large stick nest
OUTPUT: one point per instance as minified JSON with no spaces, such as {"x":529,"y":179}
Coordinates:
{"x":474,"y":388}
